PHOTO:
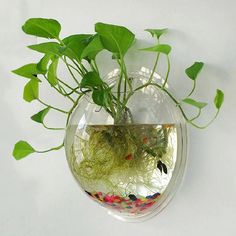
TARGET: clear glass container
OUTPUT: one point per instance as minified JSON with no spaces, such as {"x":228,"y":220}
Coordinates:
{"x":133,"y":169}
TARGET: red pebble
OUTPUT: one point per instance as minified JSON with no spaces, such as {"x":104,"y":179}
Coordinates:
{"x":149,"y":204}
{"x":145,"y":140}
{"x":129,"y":157}
{"x":108,"y":198}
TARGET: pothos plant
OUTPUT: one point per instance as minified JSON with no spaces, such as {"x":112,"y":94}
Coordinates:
{"x":78,"y":52}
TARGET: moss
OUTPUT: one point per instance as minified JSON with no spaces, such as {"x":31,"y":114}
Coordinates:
{"x":121,"y":156}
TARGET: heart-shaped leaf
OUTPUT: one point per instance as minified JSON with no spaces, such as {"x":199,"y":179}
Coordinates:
{"x":194,"y":103}
{"x":31,"y":90}
{"x":22,"y":149}
{"x":43,"y":63}
{"x":156,"y":32}
{"x":219,"y":99}
{"x":41,"y":27}
{"x":28,"y":71}
{"x":161,"y":48}
{"x":91,"y":79}
{"x":51,"y":48}
{"x":116,"y":39}
{"x":39,"y":117}
{"x":75,"y":45}
{"x":193,"y":71}
{"x":52,"y":72}
{"x":93,"y":48}
{"x":100,"y":97}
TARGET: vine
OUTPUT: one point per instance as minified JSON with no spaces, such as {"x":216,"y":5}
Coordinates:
{"x":78,"y":52}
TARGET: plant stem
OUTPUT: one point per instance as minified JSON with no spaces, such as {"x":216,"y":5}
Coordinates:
{"x":77,"y":69}
{"x":59,"y":90}
{"x":50,"y":128}
{"x":190,"y":121}
{"x":182,"y":111}
{"x":154,"y":68}
{"x":72,"y":109}
{"x":125,"y":88}
{"x":113,"y":111}
{"x":155,"y":64}
{"x":65,"y":94}
{"x":126,"y":76}
{"x":96,"y":66}
{"x":93,"y":67}
{"x":204,"y":126}
{"x":119,"y":88}
{"x":120,"y":79}
{"x":168,"y":71}
{"x":123,"y":74}
{"x":82,"y":69}
{"x":51,"y":149}
{"x":194,"y":86}
{"x":73,"y":89}
{"x":198,"y":114}
{"x":47,"y":105}
{"x":70,"y":71}
{"x":77,"y":59}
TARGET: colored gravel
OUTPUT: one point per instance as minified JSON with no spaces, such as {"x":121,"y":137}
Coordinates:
{"x":130,"y":204}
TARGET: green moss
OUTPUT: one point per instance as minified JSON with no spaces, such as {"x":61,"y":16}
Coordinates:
{"x":120,"y":156}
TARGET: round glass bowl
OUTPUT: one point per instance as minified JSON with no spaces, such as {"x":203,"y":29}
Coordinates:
{"x":134,"y":168}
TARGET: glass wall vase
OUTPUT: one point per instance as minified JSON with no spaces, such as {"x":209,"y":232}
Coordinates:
{"x":132,"y":168}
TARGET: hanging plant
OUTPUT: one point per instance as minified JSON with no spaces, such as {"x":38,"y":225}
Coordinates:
{"x":125,"y":131}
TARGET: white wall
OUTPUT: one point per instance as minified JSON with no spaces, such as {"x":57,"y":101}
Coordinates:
{"x":38,"y":196}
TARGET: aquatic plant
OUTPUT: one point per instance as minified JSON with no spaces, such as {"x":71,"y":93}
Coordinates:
{"x":78,"y":52}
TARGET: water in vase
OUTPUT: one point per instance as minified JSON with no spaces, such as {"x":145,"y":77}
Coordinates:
{"x":124,"y":167}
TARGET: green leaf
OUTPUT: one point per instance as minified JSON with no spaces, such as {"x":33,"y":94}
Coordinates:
{"x":51,"y":48}
{"x":100,"y":97}
{"x":193,"y":71}
{"x":194,"y":103}
{"x":74,"y":45}
{"x":31,"y":90}
{"x":43,"y":63}
{"x":45,"y":28}
{"x":161,"y":48}
{"x":219,"y":99}
{"x":116,"y":39}
{"x":156,"y":32}
{"x":22,"y":149}
{"x":93,"y":48}
{"x":28,"y":71}
{"x":39,"y":117}
{"x":91,"y":79}
{"x":52,"y":72}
